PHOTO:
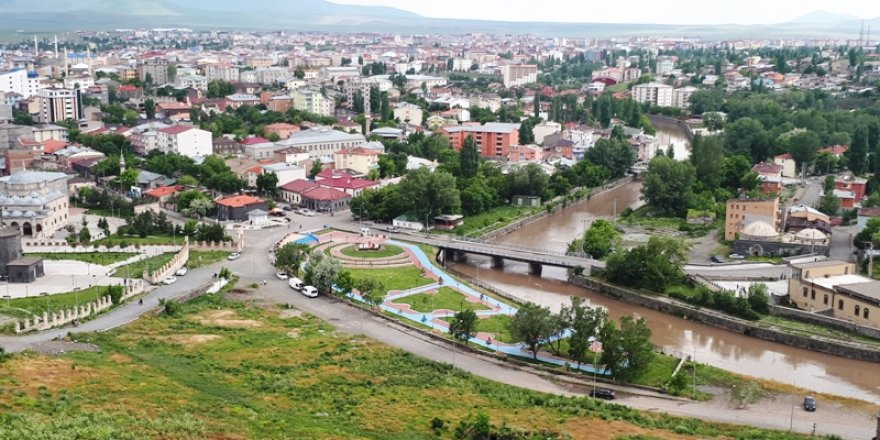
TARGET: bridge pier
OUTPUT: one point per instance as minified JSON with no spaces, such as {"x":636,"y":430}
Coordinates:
{"x":536,"y":268}
{"x":498,"y":262}
{"x":459,"y":256}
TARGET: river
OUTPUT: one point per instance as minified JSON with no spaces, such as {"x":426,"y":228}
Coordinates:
{"x":720,"y":348}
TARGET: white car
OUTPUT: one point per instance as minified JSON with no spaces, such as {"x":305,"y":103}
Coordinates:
{"x":233,"y":256}
{"x":296,"y":283}
{"x":736,"y":257}
{"x":182,"y":271}
{"x":281,"y":275}
{"x":310,"y":291}
{"x":307,"y":212}
{"x":170,"y":280}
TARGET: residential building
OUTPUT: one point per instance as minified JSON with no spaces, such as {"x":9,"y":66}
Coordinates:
{"x":271,"y":75}
{"x":789,"y":166}
{"x":11,"y":133}
{"x":771,"y":177}
{"x":742,"y":211}
{"x":866,"y":214}
{"x":239,"y":99}
{"x":343,"y":181}
{"x":854,"y":184}
{"x":322,"y":141}
{"x":334,"y":74}
{"x":236,"y":208}
{"x":545,"y":129}
{"x":285,"y":172}
{"x":313,"y":101}
{"x":361,"y":160}
{"x":681,"y":98}
{"x":294,"y":156}
{"x":197,"y":82}
{"x":408,"y":113}
{"x":20,"y":81}
{"x":665,"y":67}
{"x":154,"y":69}
{"x":834,"y":288}
{"x":185,"y":140}
{"x":221,"y":71}
{"x":518,"y":75}
{"x":258,"y":148}
{"x":57,"y":105}
{"x":493,"y":139}
{"x":35,"y":202}
{"x":224,"y":146}
{"x":653,"y":93}
{"x":282,"y":129}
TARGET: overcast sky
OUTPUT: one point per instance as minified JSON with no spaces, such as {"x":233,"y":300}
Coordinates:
{"x":632,"y":11}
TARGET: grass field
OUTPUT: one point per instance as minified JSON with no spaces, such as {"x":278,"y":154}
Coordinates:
{"x":387,"y":250}
{"x":132,"y":240}
{"x":497,"y":325}
{"x":136,"y":270}
{"x":100,"y":258}
{"x":398,"y":278}
{"x":491,"y":220}
{"x":35,"y":305}
{"x":445,"y":298}
{"x":225,"y":370}
{"x":205,"y":258}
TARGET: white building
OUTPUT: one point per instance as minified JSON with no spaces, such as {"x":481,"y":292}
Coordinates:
{"x":35,"y":202}
{"x":322,"y":141}
{"x":313,"y":101}
{"x":184,"y":140}
{"x":545,"y":129}
{"x":19,"y":81}
{"x":271,"y":75}
{"x":681,"y":98}
{"x":517,"y":75}
{"x":221,"y":71}
{"x":665,"y":67}
{"x":286,"y":173}
{"x":197,"y":82}
{"x":654,"y":93}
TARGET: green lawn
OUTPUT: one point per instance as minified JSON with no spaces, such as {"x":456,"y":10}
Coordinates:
{"x":104,"y":212}
{"x":385,"y":251}
{"x":807,"y":329}
{"x":132,"y":240}
{"x":398,"y":278}
{"x":225,"y":369}
{"x":493,"y":219}
{"x":619,"y":87}
{"x":205,"y":258}
{"x":100,"y":258}
{"x":642,"y":217}
{"x":35,"y":305}
{"x":136,"y":270}
{"x":497,"y":325}
{"x":445,"y":298}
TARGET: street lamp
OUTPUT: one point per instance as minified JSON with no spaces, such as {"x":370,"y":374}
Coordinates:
{"x":791,"y":417}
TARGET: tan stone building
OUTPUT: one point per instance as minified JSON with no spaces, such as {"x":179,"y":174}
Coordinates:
{"x":836,"y":288}
{"x":741,"y":212}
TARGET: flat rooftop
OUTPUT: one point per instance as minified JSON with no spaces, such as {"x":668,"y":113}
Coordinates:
{"x":839,"y":280}
{"x":870,"y":290}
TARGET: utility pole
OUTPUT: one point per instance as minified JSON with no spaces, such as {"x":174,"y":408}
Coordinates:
{"x":870,"y":259}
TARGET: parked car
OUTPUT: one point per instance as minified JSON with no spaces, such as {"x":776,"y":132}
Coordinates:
{"x":182,"y":271}
{"x":281,"y":275}
{"x":306,"y":212}
{"x":296,"y":283}
{"x":310,"y":291}
{"x":736,"y":257}
{"x":170,"y":280}
{"x":602,"y":393}
{"x":233,"y":256}
{"x":716,"y":259}
{"x":392,"y":229}
{"x":287,"y":208}
{"x":810,"y":403}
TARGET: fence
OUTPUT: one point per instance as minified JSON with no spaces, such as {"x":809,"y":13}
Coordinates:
{"x":170,"y":267}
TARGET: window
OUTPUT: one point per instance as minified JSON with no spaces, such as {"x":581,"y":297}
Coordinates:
{"x":840,"y":304}
{"x":813,"y":294}
{"x":857,"y":310}
{"x":865,"y":313}
{"x":825,"y":300}
{"x":805,"y":292}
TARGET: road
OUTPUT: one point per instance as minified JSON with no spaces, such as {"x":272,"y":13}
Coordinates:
{"x":253,"y":267}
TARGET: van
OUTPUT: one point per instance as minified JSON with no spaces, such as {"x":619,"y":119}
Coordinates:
{"x":296,"y":283}
{"x":365,"y":232}
{"x":310,"y":291}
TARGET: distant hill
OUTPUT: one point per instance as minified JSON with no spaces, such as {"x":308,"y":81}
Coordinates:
{"x":321,"y":15}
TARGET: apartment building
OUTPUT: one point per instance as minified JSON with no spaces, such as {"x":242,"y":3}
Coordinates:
{"x":408,"y":113}
{"x":361,"y":160}
{"x":653,"y":93}
{"x":741,"y":212}
{"x":494,"y":139}
{"x":184,"y":140}
{"x":156,"y":68}
{"x":197,"y":82}
{"x":20,"y":81}
{"x":517,"y":75}
{"x":313,"y":101}
{"x":58,"y":105}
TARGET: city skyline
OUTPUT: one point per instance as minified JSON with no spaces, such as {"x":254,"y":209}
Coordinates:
{"x":570,"y":11}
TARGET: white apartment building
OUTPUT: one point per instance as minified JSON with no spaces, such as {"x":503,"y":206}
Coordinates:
{"x":654,"y":93}
{"x":681,"y":98}
{"x":197,"y":82}
{"x":322,"y":141}
{"x":271,"y":75}
{"x":313,"y":101}
{"x":19,"y":81}
{"x":221,"y":71}
{"x":58,"y":105}
{"x":665,"y":67}
{"x":406,"y":112}
{"x":185,"y":140}
{"x":517,"y":75}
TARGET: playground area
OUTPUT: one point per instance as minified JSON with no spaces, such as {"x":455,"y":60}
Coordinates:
{"x":417,"y":290}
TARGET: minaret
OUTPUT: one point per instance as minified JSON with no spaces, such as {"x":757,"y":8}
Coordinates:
{"x":36,"y":47}
{"x":66,"y":63}
{"x":121,"y":163}
{"x":56,"y":46}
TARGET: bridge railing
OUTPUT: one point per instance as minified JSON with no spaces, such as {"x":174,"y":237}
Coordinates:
{"x":510,"y":247}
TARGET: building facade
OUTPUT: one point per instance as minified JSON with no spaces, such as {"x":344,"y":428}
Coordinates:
{"x":322,"y":141}
{"x":517,"y":75}
{"x":742,"y":212}
{"x":57,"y":105}
{"x":653,"y":93}
{"x":34,"y":202}
{"x":494,"y":139}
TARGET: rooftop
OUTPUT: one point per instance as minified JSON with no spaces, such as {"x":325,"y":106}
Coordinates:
{"x":491,"y":127}
{"x":238,"y":201}
{"x":841,"y":280}
{"x":868,"y":290}
{"x":320,"y":135}
{"x":27,"y":177}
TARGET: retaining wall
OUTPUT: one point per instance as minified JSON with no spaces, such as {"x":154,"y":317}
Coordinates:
{"x":63,"y":317}
{"x":670,"y":306}
{"x":179,"y":259}
{"x":819,"y":319}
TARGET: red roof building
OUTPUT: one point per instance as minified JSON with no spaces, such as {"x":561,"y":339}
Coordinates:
{"x":235,"y":208}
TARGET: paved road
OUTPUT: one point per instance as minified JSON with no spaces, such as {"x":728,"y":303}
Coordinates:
{"x":254,"y":267}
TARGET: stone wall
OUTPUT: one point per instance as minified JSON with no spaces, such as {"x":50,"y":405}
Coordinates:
{"x":63,"y":317}
{"x":776,"y":248}
{"x":819,"y":319}
{"x":179,"y":259}
{"x":851,"y":350}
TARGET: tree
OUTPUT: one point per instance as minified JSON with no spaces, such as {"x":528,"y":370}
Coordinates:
{"x":267,"y":183}
{"x":829,"y":203}
{"x":463,"y":325}
{"x":615,"y":155}
{"x":668,"y":187}
{"x":85,"y":236}
{"x":857,"y":154}
{"x":651,"y":266}
{"x":871,"y":234}
{"x":532,"y":325}
{"x":826,"y":163}
{"x":759,"y":298}
{"x":803,"y":148}
{"x":150,"y":108}
{"x":585,"y":323}
{"x":747,"y":136}
{"x":526,"y":135}
{"x":427,"y":195}
{"x":470,"y":158}
{"x":128,"y":178}
{"x":372,"y":291}
{"x":187,"y":180}
{"x":530,"y":180}
{"x":290,"y":257}
{"x":600,"y":238}
{"x":317,"y":167}
{"x":322,"y":271}
{"x":626,"y":351}
{"x":707,"y":154}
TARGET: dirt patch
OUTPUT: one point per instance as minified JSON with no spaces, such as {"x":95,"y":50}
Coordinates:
{"x":120,"y":358}
{"x":191,"y":340}
{"x":293,"y":334}
{"x":61,"y":347}
{"x":226,"y":318}
{"x":598,"y":428}
{"x":33,"y":372}
{"x":290,"y":313}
